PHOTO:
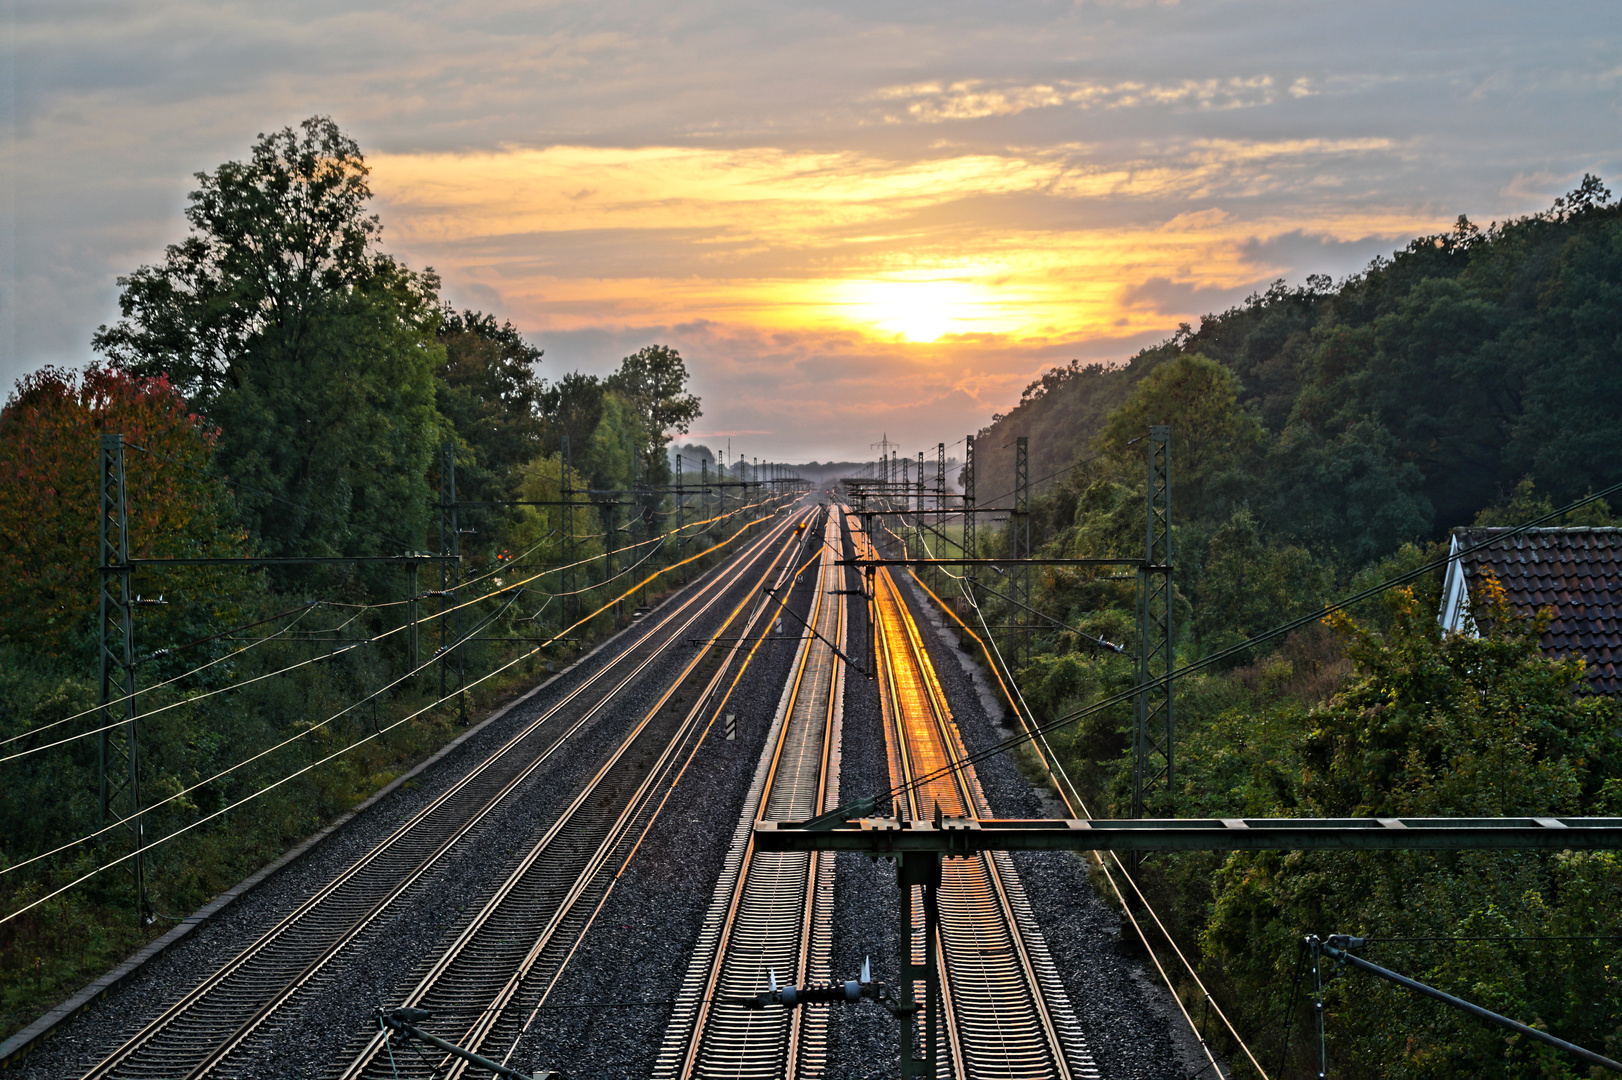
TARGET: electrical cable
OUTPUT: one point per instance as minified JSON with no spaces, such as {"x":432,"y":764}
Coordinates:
{"x":1037,"y":732}
{"x":1044,"y":479}
{"x":156,"y":686}
{"x":216,"y":692}
{"x":715,"y":712}
{"x":314,"y":659}
{"x":1098,"y":642}
{"x":1050,"y":763}
{"x":1242,"y":647}
{"x":1531,"y":937}
{"x":1021,"y":708}
{"x":375,"y":734}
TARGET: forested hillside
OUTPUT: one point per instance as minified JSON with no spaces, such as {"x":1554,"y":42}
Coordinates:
{"x":1398,"y":403}
{"x":1323,"y":439}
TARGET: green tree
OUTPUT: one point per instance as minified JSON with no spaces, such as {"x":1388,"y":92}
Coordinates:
{"x":1348,"y":497}
{"x":1249,"y":585}
{"x":1210,"y":431}
{"x":488,"y":388}
{"x":1432,"y":724}
{"x":313,"y":351}
{"x":653,"y":381}
{"x":573,"y":406}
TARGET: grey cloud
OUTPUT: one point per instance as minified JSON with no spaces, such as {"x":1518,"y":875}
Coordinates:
{"x":1299,"y":253}
{"x":111,"y":107}
{"x":1170,"y":297}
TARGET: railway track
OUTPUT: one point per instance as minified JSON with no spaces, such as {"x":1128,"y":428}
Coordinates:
{"x":772,"y":912}
{"x":228,"y":1014}
{"x":488,"y":983}
{"x":1005,"y":1011}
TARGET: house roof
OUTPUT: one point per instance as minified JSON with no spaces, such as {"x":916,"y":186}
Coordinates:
{"x":1575,"y":571}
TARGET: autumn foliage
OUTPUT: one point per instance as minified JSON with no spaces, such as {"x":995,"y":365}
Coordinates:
{"x":49,"y":501}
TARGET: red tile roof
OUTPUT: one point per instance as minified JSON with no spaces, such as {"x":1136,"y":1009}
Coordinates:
{"x":1577,"y":572}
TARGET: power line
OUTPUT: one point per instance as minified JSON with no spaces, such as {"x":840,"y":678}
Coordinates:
{"x":289,"y":741}
{"x":156,"y":686}
{"x":1021,"y":710}
{"x":1267,"y":635}
{"x":338,"y":652}
{"x":1050,"y":761}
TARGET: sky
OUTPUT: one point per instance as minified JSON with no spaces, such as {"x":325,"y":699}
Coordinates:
{"x":854,"y":220}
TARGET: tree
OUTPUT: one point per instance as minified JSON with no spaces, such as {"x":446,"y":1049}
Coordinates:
{"x":573,"y":407}
{"x":313,"y":351}
{"x":50,"y":502}
{"x":1210,"y":431}
{"x":1433,"y":724}
{"x":488,"y":389}
{"x":654,"y":381}
{"x":1248,"y":586}
{"x":1349,"y":497}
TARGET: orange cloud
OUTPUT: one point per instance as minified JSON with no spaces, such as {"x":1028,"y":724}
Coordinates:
{"x":918,"y":251}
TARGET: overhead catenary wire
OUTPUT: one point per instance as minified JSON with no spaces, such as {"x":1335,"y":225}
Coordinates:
{"x":302,"y":611}
{"x":195,"y":698}
{"x":1036,"y":732}
{"x":183,"y":675}
{"x":715,"y":710}
{"x":998,"y":667}
{"x":1265,"y":636}
{"x":361,"y":643}
{"x":1022,"y":711}
{"x":360,"y":742}
{"x":1051,"y":763}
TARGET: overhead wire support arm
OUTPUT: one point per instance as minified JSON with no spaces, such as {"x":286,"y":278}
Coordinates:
{"x":401,"y":1022}
{"x":960,"y":837}
{"x":1338,"y":947}
{"x":782,"y":605}
{"x":293,"y":560}
{"x":1108,"y":646}
{"x":1134,"y":563}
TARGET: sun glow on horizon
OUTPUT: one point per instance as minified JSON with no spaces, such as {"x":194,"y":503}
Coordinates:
{"x":769,"y":241}
{"x":915,"y":311}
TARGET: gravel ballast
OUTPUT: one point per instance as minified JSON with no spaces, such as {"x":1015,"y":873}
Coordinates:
{"x":1128,"y":1017}
{"x":607,"y":1015}
{"x":320,"y":1024}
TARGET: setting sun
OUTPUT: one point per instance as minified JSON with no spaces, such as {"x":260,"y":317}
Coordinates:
{"x":917,"y":311}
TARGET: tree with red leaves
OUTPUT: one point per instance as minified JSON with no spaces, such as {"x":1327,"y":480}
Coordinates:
{"x":49,"y":500}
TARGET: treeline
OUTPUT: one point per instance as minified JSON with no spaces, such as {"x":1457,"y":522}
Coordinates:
{"x":1324,"y":438}
{"x":287,"y":389}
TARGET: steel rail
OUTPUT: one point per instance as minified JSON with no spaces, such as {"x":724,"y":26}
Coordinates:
{"x":628,"y":850}
{"x":220,"y":1014}
{"x":1005,"y":1009}
{"x":528,"y":922}
{"x":777,"y":906}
